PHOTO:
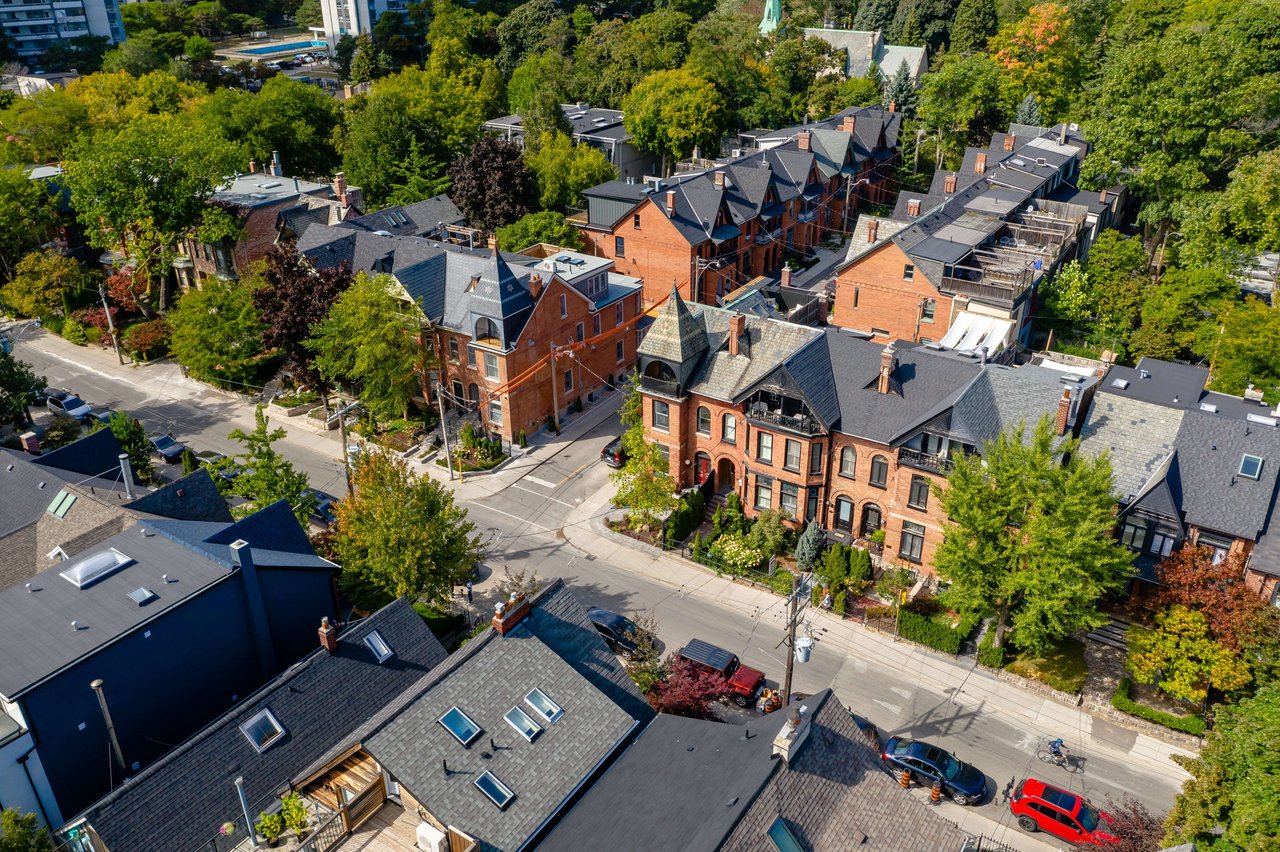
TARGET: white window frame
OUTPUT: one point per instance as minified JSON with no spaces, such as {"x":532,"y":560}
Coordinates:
{"x":529,"y":732}
{"x":263,"y":714}
{"x":550,"y":714}
{"x":490,"y":367}
{"x":381,"y":650}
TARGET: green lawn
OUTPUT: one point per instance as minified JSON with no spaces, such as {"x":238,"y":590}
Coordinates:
{"x":1063,"y":668}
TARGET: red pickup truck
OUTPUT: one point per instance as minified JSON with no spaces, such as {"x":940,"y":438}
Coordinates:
{"x":744,"y":682}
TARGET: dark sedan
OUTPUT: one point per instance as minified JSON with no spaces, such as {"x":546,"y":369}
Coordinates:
{"x":323,"y":515}
{"x":619,"y":632}
{"x":964,"y":783}
{"x":167,"y":448}
{"x":613,"y":454}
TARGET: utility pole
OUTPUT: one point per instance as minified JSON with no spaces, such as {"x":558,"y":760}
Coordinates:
{"x":341,"y":415}
{"x":111,"y":326}
{"x":791,"y":639}
{"x":444,"y":430}
{"x":555,"y":397}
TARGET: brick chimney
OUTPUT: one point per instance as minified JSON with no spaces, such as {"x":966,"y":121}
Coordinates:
{"x":535,"y":287}
{"x":888,"y":360}
{"x":873,"y":226}
{"x":671,"y":202}
{"x":328,"y":635}
{"x":893,"y":106}
{"x":340,"y":188}
{"x":1010,"y":141}
{"x":980,"y":165}
{"x":737,"y":328}
{"x":718,"y":177}
{"x":1064,"y":412}
{"x":253,"y":167}
{"x":1102,"y":196}
{"x":507,"y":614}
{"x":786,"y":275}
{"x":848,"y":123}
{"x":805,"y":140}
{"x":794,"y":732}
{"x":913,"y":206}
{"x":949,"y":184}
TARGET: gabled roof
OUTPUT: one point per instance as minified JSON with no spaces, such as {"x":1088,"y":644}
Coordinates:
{"x":1137,"y":436}
{"x":767,"y":345}
{"x":96,"y":456}
{"x":676,"y":336}
{"x":413,"y":220}
{"x":1004,"y":397}
{"x":194,"y":497}
{"x":275,"y":535}
{"x":180,"y":801}
{"x":1214,"y":494}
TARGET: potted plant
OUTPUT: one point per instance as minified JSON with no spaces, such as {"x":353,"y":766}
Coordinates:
{"x":294,"y":813}
{"x":271,"y":826}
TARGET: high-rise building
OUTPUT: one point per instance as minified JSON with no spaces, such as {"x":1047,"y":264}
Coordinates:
{"x":353,"y":17}
{"x":35,"y":24}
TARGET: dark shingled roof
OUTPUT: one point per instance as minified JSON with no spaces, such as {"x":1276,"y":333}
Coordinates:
{"x":95,"y":455}
{"x":179,"y":802}
{"x":194,"y":497}
{"x":1214,"y":494}
{"x":273,"y":532}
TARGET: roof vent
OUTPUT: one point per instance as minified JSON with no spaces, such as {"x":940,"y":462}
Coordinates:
{"x":1209,"y":407}
{"x":1120,"y":383}
{"x":142,"y":596}
{"x":271,"y":184}
{"x":1144,"y":374}
{"x":93,"y":568}
{"x":1261,"y":419}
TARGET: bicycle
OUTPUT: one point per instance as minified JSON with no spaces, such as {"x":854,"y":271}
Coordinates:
{"x":1057,"y":753}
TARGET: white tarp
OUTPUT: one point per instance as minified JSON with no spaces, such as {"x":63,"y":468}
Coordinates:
{"x":971,"y":332}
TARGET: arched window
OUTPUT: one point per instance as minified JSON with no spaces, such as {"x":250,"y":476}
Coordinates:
{"x":474,"y":393}
{"x":704,"y":421}
{"x":487,"y":332}
{"x":729,"y":429}
{"x":660,"y":370}
{"x":879,"y":471}
{"x":848,"y":461}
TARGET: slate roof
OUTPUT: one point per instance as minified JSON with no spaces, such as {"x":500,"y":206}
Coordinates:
{"x":862,"y":47}
{"x":542,"y":773}
{"x":194,"y":497}
{"x":768,"y":344}
{"x":180,"y":801}
{"x":1136,"y":435}
{"x":860,"y":239}
{"x":414,"y":220}
{"x":676,"y":336}
{"x":715,"y":788}
{"x":1214,"y":495}
{"x":1003,"y":397}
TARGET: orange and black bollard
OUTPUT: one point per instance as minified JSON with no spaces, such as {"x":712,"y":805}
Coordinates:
{"x":904,"y":780}
{"x":935,"y":795}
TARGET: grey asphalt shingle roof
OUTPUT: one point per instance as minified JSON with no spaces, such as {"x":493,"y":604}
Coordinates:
{"x":1214,"y":494}
{"x":420,"y":218}
{"x":194,"y":497}
{"x":1136,"y":435}
{"x":542,"y":773}
{"x":179,"y":802}
{"x":1004,"y":397}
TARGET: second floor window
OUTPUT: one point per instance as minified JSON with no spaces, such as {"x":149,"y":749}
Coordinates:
{"x":848,"y":461}
{"x":764,"y":447}
{"x":453,"y":350}
{"x":919,"y":497}
{"x":617,"y":314}
{"x":568,"y":380}
{"x":704,"y":421}
{"x":791,"y":458}
{"x":578,"y":332}
{"x":491,"y":366}
{"x":595,"y":324}
{"x":621,"y":349}
{"x":729,"y":429}
{"x":879,"y":471}
{"x":1134,"y":534}
{"x":661,"y":415}
{"x":471,"y":358}
{"x":564,"y":306}
{"x":619,"y":247}
{"x":815,"y":458}
{"x":908,"y":272}
{"x":1161,"y":544}
{"x":926,"y":310}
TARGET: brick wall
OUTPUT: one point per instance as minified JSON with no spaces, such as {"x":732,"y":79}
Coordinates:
{"x":873,"y":294}
{"x":655,"y":252}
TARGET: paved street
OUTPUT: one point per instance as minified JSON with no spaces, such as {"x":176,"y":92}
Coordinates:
{"x":531,"y":508}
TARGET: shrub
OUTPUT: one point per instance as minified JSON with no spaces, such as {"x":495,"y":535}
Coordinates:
{"x":552,"y":426}
{"x":73,"y":332}
{"x":699,"y":548}
{"x":860,"y":571}
{"x":833,"y":568}
{"x":577,"y":404}
{"x":1194,"y":725}
{"x":769,"y":532}
{"x":734,"y":554}
{"x":95,"y":317}
{"x":53,"y":324}
{"x":780,"y":581}
{"x":838,"y":603}
{"x":522,"y":439}
{"x":919,"y":628}
{"x":294,"y":811}
{"x":923,"y":604}
{"x":989,"y":655}
{"x":809,"y":547}
{"x":815,"y":595}
{"x":93,"y":334}
{"x":879,"y":612}
{"x":879,"y":536}
{"x":60,"y":431}
{"x":686,"y":517}
{"x":146,"y":339}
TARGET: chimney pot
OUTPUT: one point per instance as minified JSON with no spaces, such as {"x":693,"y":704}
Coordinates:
{"x":786,"y":275}
{"x":913,"y":207}
{"x":328,"y":636}
{"x":804,"y":140}
{"x":848,"y":123}
{"x":980,"y":165}
{"x":718,"y":177}
{"x":253,"y":167}
{"x":507,"y":616}
{"x":1063,"y":413}
{"x":873,"y":227}
{"x":1102,"y":196}
{"x":1010,"y":141}
{"x":535,"y":287}
{"x":949,"y":184}
{"x":276,"y":168}
{"x":893,"y":106}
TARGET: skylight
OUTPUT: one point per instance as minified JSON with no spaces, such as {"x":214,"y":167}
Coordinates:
{"x":543,"y":706}
{"x":61,"y":503}
{"x":460,"y":725}
{"x":262,"y":730}
{"x":142,"y":596}
{"x":524,"y":726}
{"x":1120,"y":383}
{"x":500,"y":794}
{"x":1250,"y":466}
{"x":782,"y":837}
{"x":93,"y":568}
{"x":378,"y":646}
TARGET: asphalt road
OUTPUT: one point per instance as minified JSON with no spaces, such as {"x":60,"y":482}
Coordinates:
{"x":522,"y":525}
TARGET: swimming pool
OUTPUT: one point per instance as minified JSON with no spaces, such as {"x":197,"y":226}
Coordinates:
{"x":291,"y":47}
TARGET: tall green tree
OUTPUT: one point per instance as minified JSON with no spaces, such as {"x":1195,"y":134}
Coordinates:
{"x":875,"y":14}
{"x":1041,"y":54}
{"x":297,"y":120}
{"x":527,"y":29}
{"x":1029,"y":532}
{"x":975,"y":22}
{"x":369,"y":62}
{"x":671,"y":113}
{"x":217,"y":334}
{"x":962,"y":99}
{"x":402,"y":534}
{"x":900,"y":91}
{"x":265,"y":475}
{"x":1246,"y":350}
{"x":43,"y":282}
{"x":1181,"y":314}
{"x":21,"y":832}
{"x":922,"y":22}
{"x":18,"y":382}
{"x":545,"y":227}
{"x":132,"y":437}
{"x":1229,"y":803}
{"x":1028,"y":111}
{"x":726,"y":49}
{"x":644,"y":487}
{"x":1181,"y":657}
{"x":26,"y":214}
{"x":564,"y":168}
{"x":370,"y":338}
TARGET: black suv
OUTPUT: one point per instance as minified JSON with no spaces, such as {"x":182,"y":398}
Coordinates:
{"x":613,"y":454}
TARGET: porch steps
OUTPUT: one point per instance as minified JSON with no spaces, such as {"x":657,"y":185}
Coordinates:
{"x":716,"y":501}
{"x":1111,"y":634}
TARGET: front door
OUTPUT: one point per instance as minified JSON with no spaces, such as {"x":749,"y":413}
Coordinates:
{"x":871,"y":519}
{"x":701,"y":467}
{"x":844,"y":514}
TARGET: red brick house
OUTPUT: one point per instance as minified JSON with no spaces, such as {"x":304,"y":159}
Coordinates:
{"x":827,"y":424}
{"x":713,"y":230}
{"x":516,"y":337}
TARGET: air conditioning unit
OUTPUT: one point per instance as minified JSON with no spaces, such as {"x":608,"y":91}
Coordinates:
{"x":432,"y":839}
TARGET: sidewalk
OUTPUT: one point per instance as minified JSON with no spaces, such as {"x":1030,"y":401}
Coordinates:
{"x":969,"y":686}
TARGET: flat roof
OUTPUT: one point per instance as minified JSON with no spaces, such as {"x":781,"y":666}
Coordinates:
{"x":259,"y":189}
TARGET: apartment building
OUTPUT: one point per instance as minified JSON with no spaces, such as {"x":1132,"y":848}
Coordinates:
{"x":33,"y":25}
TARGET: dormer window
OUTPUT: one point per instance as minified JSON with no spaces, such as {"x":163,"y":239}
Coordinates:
{"x":1250,"y":466}
{"x":487,"y":333}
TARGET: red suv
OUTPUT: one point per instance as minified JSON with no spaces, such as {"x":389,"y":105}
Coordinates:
{"x":744,"y":682}
{"x":1044,"y":807}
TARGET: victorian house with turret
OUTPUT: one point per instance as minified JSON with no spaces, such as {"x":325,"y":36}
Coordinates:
{"x":828,"y":424}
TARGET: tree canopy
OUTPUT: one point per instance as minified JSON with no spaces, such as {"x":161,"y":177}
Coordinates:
{"x":217,"y":334}
{"x":564,"y":168}
{"x":266,"y":476}
{"x":17,"y":383}
{"x":492,"y":184}
{"x":546,"y":227}
{"x":292,"y":297}
{"x":672,"y":112}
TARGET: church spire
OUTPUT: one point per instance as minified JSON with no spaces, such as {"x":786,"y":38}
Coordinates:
{"x":772,"y":18}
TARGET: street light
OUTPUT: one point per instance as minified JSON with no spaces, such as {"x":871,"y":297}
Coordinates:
{"x":7,"y":341}
{"x":702,"y":265}
{"x":848,"y":191}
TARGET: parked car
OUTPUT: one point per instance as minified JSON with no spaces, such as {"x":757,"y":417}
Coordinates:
{"x":104,"y":415}
{"x":1040,"y":806}
{"x":744,"y":682}
{"x":43,"y":396}
{"x":166,"y":447}
{"x":613,"y":454}
{"x":323,"y":514}
{"x":69,"y":404}
{"x":218,"y":464}
{"x":964,"y":783}
{"x":619,"y":633}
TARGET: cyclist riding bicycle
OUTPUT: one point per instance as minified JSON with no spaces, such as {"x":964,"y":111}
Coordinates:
{"x":1056,"y":749}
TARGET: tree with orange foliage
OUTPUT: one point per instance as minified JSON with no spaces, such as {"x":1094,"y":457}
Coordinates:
{"x":1234,"y":613}
{"x":1040,"y":54}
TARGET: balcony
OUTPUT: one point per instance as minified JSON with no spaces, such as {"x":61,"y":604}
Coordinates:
{"x":768,"y":235}
{"x":662,"y":387}
{"x":777,"y":412}
{"x":932,"y":462}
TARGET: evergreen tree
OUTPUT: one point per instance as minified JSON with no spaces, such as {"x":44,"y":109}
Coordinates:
{"x":1028,"y":111}
{"x":900,"y":91}
{"x":809,"y":547}
{"x":875,"y":15}
{"x":975,"y":22}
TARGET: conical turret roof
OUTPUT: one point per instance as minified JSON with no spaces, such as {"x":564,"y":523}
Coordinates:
{"x":676,"y":336}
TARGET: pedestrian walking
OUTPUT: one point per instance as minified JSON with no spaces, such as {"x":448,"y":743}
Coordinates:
{"x":468,"y":591}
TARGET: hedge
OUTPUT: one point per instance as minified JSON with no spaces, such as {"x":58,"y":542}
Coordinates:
{"x":780,"y":581}
{"x":988,"y":654}
{"x":924,"y":630}
{"x":686,"y":517}
{"x":1194,"y":725}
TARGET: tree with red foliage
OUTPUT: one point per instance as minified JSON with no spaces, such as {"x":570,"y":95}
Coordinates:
{"x":1234,"y":613}
{"x":1135,"y":828}
{"x":128,"y":289}
{"x":292,"y":298}
{"x":687,"y":690}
